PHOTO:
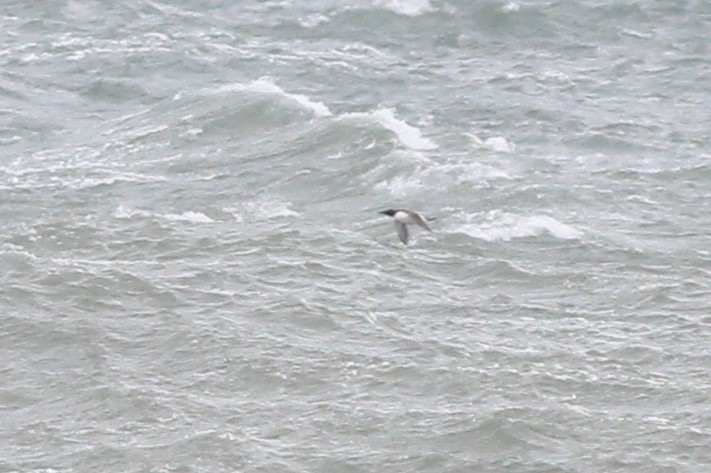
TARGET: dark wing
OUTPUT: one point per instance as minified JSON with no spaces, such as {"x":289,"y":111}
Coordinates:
{"x":401,"y":231}
{"x":420,"y":221}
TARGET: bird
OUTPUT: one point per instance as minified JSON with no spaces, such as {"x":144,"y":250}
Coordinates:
{"x":403,"y":217}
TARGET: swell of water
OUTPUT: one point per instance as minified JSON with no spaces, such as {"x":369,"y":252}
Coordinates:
{"x":195,"y":276}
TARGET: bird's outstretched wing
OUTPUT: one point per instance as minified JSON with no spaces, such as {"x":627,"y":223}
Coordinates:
{"x":420,"y":221}
{"x":401,"y":231}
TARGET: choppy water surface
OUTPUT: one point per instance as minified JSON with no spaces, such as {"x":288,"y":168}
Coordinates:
{"x":195,"y":277}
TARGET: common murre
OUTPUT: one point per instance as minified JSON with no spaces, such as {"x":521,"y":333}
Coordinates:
{"x":402,"y":217}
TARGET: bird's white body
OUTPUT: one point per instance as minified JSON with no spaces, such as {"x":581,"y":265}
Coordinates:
{"x":404,"y":217}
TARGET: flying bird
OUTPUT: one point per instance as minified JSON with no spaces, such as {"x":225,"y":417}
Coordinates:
{"x":404,"y":217}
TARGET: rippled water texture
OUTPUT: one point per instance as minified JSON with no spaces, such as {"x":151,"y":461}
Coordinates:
{"x":194,"y":276}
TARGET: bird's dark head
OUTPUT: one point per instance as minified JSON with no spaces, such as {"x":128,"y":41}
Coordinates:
{"x":389,"y":212}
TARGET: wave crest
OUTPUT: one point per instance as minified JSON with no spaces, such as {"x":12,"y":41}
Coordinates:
{"x":506,"y":226}
{"x":410,"y":136}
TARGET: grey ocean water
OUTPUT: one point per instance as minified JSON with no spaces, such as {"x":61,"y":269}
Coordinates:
{"x":194,"y":276}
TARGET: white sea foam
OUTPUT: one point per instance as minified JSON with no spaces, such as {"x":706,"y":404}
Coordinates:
{"x":314,"y":20}
{"x":275,"y":209}
{"x":261,"y":209}
{"x":190,"y":217}
{"x":90,"y":182}
{"x":441,"y":175}
{"x":18,"y":252}
{"x":9,"y":140}
{"x":506,"y":226}
{"x":364,"y":48}
{"x":124,"y":212}
{"x":401,"y":185}
{"x":636,"y":34}
{"x":471,"y":172}
{"x":265,"y":86}
{"x":408,"y":135}
{"x":192,"y":132}
{"x":496,"y":143}
{"x":511,"y":7}
{"x":406,"y":7}
{"x":555,"y":76}
{"x":11,"y":247}
{"x":640,"y":198}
